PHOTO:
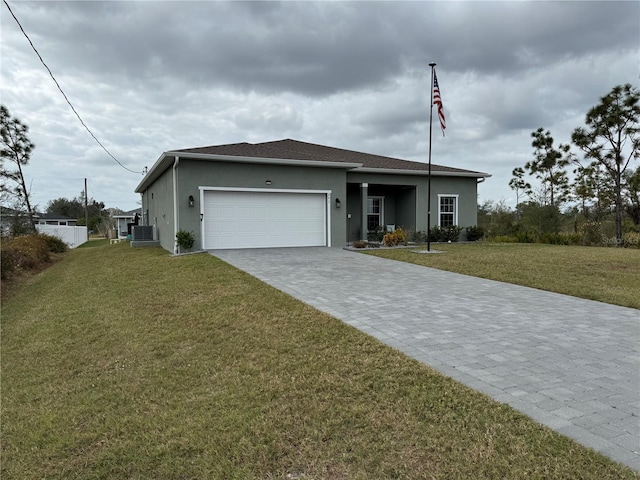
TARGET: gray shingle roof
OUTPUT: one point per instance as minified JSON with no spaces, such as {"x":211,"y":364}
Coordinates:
{"x":297,"y":150}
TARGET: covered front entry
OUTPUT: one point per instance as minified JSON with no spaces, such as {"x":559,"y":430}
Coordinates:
{"x":255,"y":218}
{"x":375,"y":208}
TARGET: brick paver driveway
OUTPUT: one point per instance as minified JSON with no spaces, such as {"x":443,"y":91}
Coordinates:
{"x":569,"y":363}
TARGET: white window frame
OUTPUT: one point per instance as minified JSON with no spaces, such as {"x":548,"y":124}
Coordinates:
{"x":381,"y":214}
{"x":455,"y":207}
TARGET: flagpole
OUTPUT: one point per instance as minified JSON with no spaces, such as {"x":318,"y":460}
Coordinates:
{"x":432,"y":65}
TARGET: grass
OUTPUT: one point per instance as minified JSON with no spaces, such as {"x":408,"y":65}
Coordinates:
{"x":610,"y":275}
{"x":131,"y":363}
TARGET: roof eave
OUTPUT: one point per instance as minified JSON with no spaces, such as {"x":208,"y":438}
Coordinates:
{"x":168,"y":157}
{"x":153,"y":173}
{"x":264,"y":160}
{"x":435,"y":173}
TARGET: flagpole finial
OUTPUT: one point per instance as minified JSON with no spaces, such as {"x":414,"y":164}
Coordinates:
{"x":432,"y":64}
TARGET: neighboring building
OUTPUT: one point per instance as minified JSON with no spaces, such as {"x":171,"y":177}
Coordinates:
{"x":125,"y":221}
{"x":56,"y":219}
{"x":289,"y":193}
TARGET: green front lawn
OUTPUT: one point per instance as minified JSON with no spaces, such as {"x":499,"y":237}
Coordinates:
{"x":610,"y":275}
{"x":131,"y":363}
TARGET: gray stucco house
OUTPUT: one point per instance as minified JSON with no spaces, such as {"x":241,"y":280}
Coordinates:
{"x":289,"y":193}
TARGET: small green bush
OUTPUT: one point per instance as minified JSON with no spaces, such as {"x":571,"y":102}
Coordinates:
{"x":416,"y":236}
{"x":474,"y":233}
{"x":376,"y":235}
{"x":185,"y":239}
{"x":445,"y":234}
{"x":436,"y":234}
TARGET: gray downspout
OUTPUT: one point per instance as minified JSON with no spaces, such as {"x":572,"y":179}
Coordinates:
{"x":175,"y":206}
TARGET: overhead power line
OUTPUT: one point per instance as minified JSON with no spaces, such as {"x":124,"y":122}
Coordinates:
{"x":62,"y":92}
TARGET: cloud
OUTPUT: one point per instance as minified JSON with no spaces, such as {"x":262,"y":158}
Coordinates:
{"x":153,"y":76}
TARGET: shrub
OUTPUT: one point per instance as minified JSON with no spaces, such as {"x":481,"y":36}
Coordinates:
{"x":554,"y":239}
{"x":591,"y":234}
{"x":525,"y":237}
{"x":631,"y":240}
{"x":360,"y":244}
{"x":30,"y":250}
{"x":54,"y":244}
{"x":7,"y":262}
{"x":629,"y":226}
{"x":445,"y":234}
{"x":452,"y":233}
{"x":573,"y":238}
{"x":185,"y":239}
{"x":395,"y":238}
{"x":376,"y":235}
{"x":474,"y":233}
{"x":505,"y":239}
{"x":436,"y":234}
{"x":561,"y":238}
{"x":415,"y":236}
{"x":24,"y":253}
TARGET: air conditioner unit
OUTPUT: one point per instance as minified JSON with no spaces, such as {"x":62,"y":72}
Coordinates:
{"x":143,"y":233}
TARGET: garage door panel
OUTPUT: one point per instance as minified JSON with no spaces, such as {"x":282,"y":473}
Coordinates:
{"x":264,"y":219}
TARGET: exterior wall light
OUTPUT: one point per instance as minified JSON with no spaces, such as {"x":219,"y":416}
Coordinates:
{"x":338,"y":203}
{"x":191,"y":201}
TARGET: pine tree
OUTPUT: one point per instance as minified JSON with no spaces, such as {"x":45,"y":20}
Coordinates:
{"x":612,"y":138}
{"x":15,"y":148}
{"x":549,"y":166}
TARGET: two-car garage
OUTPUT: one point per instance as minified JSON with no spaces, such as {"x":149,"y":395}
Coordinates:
{"x":261,"y":218}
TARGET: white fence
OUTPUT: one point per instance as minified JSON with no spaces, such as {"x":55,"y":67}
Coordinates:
{"x":72,"y":236}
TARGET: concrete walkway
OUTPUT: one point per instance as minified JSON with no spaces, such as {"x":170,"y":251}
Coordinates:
{"x":571,"y":364}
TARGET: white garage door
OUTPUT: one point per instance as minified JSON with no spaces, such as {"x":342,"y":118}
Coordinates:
{"x":241,"y":219}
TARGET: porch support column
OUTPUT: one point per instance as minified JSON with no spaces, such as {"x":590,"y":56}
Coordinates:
{"x":364,"y":193}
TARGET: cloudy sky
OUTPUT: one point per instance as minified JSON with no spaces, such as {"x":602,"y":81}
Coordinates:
{"x":147,"y":77}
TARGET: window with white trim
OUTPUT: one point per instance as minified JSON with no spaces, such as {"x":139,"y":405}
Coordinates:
{"x":447,"y":210}
{"x":375,"y":212}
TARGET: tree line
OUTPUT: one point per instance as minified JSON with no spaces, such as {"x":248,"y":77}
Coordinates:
{"x":605,"y":187}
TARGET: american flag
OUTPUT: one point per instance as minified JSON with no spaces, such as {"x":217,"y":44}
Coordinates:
{"x":437,"y":100}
